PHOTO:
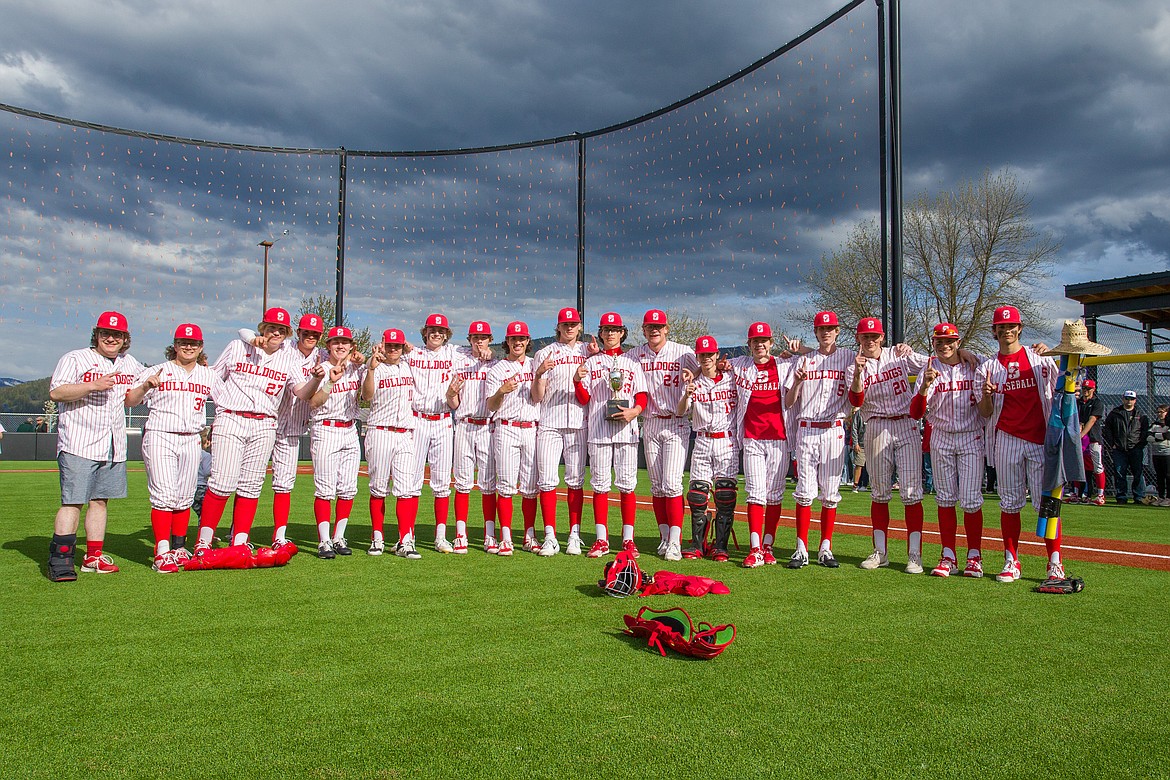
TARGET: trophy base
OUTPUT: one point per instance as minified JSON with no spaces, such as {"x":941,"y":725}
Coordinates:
{"x":616,"y":407}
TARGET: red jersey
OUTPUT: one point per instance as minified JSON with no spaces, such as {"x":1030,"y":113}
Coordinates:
{"x":1022,"y":415}
{"x":764,"y":416}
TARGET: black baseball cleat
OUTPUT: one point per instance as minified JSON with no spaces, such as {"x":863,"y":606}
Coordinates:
{"x":826,"y":559}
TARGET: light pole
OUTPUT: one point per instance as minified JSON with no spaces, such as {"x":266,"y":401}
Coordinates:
{"x":267,"y":244}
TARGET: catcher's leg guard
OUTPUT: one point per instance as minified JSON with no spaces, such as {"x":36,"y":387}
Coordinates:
{"x":697,"y":499}
{"x":726,"y":495}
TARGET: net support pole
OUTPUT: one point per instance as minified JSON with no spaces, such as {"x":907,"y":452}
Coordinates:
{"x":339,"y":302}
{"x":897,"y":314}
{"x":883,"y":165}
{"x":581,"y":225}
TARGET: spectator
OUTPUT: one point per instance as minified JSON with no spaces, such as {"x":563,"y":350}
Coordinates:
{"x":1125,"y":432}
{"x":927,"y":468}
{"x":1,"y":431}
{"x":27,"y":426}
{"x":1159,"y":439}
{"x":1091,"y":410}
{"x":42,"y":425}
{"x":860,"y":475}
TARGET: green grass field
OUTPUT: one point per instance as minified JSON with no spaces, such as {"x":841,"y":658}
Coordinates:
{"x":478,"y":666}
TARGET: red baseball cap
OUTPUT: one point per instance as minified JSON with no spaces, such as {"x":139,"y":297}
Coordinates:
{"x":654,"y":317}
{"x":189,"y":332}
{"x":705,"y":344}
{"x":339,"y":332}
{"x":393,"y":336}
{"x":945,"y":330}
{"x":1090,"y":383}
{"x":277,"y":316}
{"x":1007,"y":315}
{"x":870,"y":325}
{"x":826,"y":319}
{"x":517,"y":329}
{"x":568,"y":315}
{"x":437,"y":321}
{"x":479,"y":328}
{"x":311,"y":323}
{"x":759,"y":330}
{"x":112,"y":320}
{"x":611,"y":319}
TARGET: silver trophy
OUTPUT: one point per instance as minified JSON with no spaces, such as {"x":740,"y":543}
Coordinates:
{"x":617,"y":404}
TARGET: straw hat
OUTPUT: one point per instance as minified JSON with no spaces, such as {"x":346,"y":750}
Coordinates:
{"x":1074,"y":340}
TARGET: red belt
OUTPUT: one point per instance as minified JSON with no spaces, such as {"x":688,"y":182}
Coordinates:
{"x":518,"y":424}
{"x":477,"y":420}
{"x":891,"y":417}
{"x":713,"y":434}
{"x":667,"y":417}
{"x":252,"y":415}
{"x":389,"y":428}
{"x":433,"y":417}
{"x":338,"y":423}
{"x":820,"y":424}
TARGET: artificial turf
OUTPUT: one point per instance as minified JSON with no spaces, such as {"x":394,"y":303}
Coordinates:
{"x":477,"y":666}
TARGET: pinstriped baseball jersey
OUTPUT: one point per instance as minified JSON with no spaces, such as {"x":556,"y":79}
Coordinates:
{"x":518,"y":405}
{"x":86,"y":426}
{"x":886,"y":383}
{"x":560,"y":408}
{"x":177,"y":404}
{"x":293,"y":415}
{"x":255,"y":381}
{"x":950,"y":400}
{"x":342,"y":403}
{"x":713,"y":404}
{"x":596,"y":382}
{"x":824,"y":394}
{"x":393,"y":396}
{"x":473,"y":395}
{"x":663,"y":373}
{"x":432,"y":371}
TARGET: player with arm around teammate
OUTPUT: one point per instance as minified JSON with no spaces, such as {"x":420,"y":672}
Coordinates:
{"x":665,"y":435}
{"x":1014,"y":392}
{"x":945,"y":395}
{"x":473,"y":434}
{"x":255,"y":379}
{"x":818,"y":395}
{"x":176,"y":392}
{"x":709,"y":399}
{"x":334,"y":442}
{"x":89,"y":387}
{"x":389,"y":387}
{"x":509,"y":397}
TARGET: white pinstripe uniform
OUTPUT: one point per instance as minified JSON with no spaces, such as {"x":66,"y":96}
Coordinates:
{"x":514,"y":439}
{"x":171,"y":448}
{"x":821,"y":405}
{"x":956,"y":439}
{"x":94,"y":426}
{"x":1019,"y":464}
{"x":562,"y":428}
{"x":390,"y":431}
{"x":292,"y":421}
{"x":665,"y":435}
{"x":333,"y":437}
{"x":765,"y":461}
{"x":434,"y":438}
{"x":473,"y":428}
{"x":892,"y":437}
{"x":245,"y":420}
{"x":612,"y":445}
{"x":712,"y":415}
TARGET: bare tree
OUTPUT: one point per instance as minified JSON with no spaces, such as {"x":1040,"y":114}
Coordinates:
{"x":326,"y":308}
{"x":686,"y":328}
{"x":965,"y":252}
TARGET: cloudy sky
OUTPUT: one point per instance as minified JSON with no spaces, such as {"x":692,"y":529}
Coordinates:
{"x":718,"y":209}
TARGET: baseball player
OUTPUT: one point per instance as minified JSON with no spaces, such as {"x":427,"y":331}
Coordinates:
{"x":509,"y":397}
{"x":176,"y":392}
{"x":945,"y":395}
{"x":820,"y":401}
{"x":879,"y":385}
{"x":613,"y":440}
{"x":473,"y":436}
{"x":665,"y":435}
{"x":761,"y":429}
{"x":562,"y":425}
{"x":255,"y":381}
{"x":709,"y":399}
{"x":389,"y":387}
{"x":334,"y":442}
{"x":89,"y":386}
{"x":433,"y":367}
{"x":1015,"y":389}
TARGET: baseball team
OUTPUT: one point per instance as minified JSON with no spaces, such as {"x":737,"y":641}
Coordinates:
{"x":507,"y":425}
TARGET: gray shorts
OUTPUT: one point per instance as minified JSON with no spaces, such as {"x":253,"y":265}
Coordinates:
{"x":83,"y":480}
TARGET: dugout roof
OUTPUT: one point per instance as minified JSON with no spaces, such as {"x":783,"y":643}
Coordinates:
{"x":1143,"y":297}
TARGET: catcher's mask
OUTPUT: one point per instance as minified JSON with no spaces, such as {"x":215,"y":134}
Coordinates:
{"x":622,"y":576}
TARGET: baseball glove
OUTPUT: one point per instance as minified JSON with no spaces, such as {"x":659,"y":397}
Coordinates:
{"x":1061,"y":586}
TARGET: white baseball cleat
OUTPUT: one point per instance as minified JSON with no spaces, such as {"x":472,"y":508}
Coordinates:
{"x":1011,"y":570}
{"x":875,"y":560}
{"x":673,"y":552}
{"x":550,"y":547}
{"x":1055,"y":571}
{"x":946,"y":567}
{"x":490,"y":545}
{"x":377,"y":547}
{"x":443,"y":546}
{"x":662,"y":547}
{"x":460,"y":546}
{"x":505,"y":550}
{"x":914,"y":563}
{"x":574,"y":545}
